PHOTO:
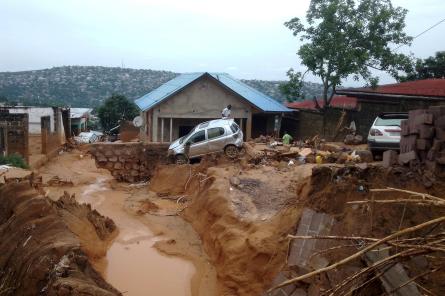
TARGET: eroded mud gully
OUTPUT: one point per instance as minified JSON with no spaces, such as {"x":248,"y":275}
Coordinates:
{"x":128,"y":261}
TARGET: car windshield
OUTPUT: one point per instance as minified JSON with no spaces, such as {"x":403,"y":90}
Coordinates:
{"x":388,"y":121}
{"x":186,"y":136}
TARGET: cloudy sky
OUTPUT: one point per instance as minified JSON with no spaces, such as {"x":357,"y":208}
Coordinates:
{"x":245,"y":38}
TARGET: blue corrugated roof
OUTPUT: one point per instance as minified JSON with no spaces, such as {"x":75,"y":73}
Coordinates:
{"x":256,"y":98}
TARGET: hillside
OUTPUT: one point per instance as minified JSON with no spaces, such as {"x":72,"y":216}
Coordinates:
{"x":88,"y":86}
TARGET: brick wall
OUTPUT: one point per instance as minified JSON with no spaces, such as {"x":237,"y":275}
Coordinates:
{"x":15,"y":129}
{"x":310,"y":123}
{"x":129,"y":162}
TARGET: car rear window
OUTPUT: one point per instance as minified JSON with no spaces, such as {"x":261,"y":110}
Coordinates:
{"x":215,"y":132}
{"x":234,"y":127}
{"x":388,"y":121}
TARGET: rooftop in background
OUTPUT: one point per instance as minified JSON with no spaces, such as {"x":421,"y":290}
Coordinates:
{"x":80,"y":112}
{"x":342,"y":102}
{"x":433,"y":88}
{"x":168,"y":89}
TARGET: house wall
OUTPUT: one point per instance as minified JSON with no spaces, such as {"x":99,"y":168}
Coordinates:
{"x":15,"y":130}
{"x":204,"y":99}
{"x":310,"y":124}
{"x":34,"y":115}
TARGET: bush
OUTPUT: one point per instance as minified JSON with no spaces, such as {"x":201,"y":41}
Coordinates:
{"x":15,"y":160}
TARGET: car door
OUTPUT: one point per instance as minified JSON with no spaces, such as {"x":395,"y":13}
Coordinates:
{"x":198,"y":144}
{"x":216,"y":138}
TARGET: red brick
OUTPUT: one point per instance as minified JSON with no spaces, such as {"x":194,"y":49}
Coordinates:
{"x":405,"y":158}
{"x":390,"y":158}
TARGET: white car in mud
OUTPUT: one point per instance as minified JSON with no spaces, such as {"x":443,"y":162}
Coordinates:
{"x":208,"y":137}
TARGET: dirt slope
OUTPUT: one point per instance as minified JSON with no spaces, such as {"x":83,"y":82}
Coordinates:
{"x":40,"y":255}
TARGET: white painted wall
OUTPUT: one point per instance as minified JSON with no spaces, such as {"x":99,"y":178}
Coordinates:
{"x":34,"y":114}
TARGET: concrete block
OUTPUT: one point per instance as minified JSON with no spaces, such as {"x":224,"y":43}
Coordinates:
{"x":299,"y":292}
{"x":423,"y":118}
{"x":390,"y":158}
{"x":405,"y":158}
{"x":440,"y":122}
{"x":311,"y":223}
{"x":393,"y":277}
{"x":426,"y":131}
{"x":423,"y":144}
{"x":440,"y":133}
{"x":405,"y":127}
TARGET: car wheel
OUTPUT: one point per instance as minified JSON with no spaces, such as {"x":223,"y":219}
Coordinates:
{"x":231,"y":151}
{"x":181,"y":159}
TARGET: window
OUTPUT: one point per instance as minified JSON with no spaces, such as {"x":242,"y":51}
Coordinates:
{"x":388,"y":121}
{"x":234,"y":127}
{"x":215,"y":132}
{"x":197,"y":137}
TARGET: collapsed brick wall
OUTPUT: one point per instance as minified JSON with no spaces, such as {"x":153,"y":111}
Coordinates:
{"x":129,"y":162}
{"x":15,"y":133}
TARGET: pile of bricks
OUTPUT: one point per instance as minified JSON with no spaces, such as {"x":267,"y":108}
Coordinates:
{"x":422,"y":142}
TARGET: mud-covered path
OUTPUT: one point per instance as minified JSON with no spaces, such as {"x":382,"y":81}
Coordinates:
{"x":131,"y":264}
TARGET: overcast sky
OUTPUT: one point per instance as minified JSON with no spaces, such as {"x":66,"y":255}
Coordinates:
{"x":245,"y":38}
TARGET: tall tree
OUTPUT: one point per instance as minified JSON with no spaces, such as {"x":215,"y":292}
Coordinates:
{"x":350,"y":37}
{"x":115,"y":109}
{"x":432,"y":67}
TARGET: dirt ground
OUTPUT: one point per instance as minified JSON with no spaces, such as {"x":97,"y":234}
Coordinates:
{"x":218,"y":227}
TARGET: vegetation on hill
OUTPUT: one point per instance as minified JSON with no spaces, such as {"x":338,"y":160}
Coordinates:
{"x":115,"y":109}
{"x":89,"y":86}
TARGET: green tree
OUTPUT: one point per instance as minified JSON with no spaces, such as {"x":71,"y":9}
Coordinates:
{"x":350,"y":37}
{"x":292,"y":88}
{"x":115,"y":109}
{"x":432,"y":67}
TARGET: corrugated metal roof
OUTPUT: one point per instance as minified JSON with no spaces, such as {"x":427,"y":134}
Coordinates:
{"x":256,"y":98}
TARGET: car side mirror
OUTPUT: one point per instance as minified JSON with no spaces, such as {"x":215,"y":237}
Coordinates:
{"x":188,"y":143}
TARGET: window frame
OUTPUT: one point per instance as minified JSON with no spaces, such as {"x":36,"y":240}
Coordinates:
{"x":219,"y":136}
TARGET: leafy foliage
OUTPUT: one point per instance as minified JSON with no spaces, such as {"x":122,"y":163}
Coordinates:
{"x":349,"y":37}
{"x":115,"y":109}
{"x":432,"y":67}
{"x":15,"y":160}
{"x":292,"y":88}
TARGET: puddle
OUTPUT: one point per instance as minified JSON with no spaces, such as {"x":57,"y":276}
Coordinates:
{"x":132,"y":265}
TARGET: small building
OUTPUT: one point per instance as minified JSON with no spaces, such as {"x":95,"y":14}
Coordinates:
{"x":399,"y":97}
{"x":36,"y":133}
{"x":79,"y":119}
{"x":173,"y":109}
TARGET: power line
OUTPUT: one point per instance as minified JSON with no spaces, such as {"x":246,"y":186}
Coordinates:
{"x":430,"y":28}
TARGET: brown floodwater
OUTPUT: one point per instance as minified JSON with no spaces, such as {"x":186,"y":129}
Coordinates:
{"x":132,"y":265}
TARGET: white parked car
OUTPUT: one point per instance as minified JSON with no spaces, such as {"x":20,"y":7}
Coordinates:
{"x":385,"y":132}
{"x":208,"y":137}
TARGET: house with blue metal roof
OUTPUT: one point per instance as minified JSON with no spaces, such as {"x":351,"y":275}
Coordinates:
{"x":174,"y":108}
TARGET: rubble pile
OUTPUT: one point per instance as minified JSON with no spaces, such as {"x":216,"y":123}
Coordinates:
{"x":422,"y":143}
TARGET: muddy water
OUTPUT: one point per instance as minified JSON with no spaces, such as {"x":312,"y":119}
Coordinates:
{"x":131,"y":265}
